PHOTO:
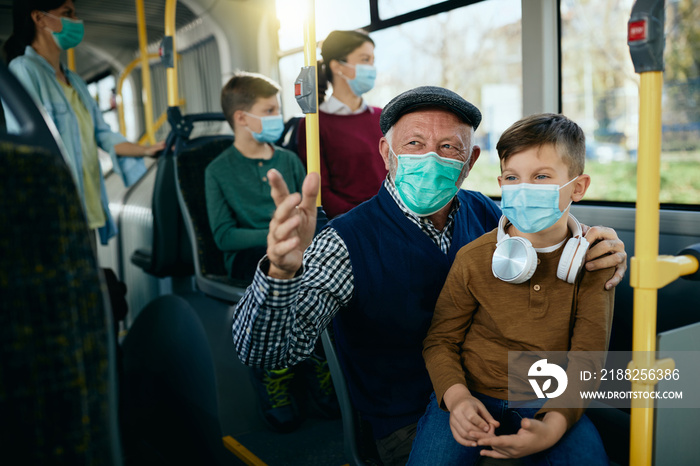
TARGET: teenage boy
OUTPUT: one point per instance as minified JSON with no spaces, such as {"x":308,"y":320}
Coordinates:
{"x":493,"y":303}
{"x":238,"y":194}
{"x":240,"y":208}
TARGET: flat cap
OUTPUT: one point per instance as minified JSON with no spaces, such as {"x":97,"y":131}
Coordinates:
{"x":428,"y":96}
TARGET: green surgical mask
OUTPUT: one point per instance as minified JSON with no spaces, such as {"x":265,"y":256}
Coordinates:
{"x":426,"y":182}
{"x":71,"y":34}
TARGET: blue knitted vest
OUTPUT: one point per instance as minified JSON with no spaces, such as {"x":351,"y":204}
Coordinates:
{"x":398,"y":273}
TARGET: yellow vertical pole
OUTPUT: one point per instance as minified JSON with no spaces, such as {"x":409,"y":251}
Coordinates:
{"x":70,"y":56}
{"x":313,"y":157}
{"x":145,"y":72}
{"x":171,"y":73}
{"x":648,"y":270}
{"x":646,"y":254}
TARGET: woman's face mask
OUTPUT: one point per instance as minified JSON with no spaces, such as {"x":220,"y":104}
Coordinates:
{"x":532,"y":207}
{"x":272,"y":128}
{"x":426,"y":182}
{"x":365,"y":75}
{"x":71,"y":34}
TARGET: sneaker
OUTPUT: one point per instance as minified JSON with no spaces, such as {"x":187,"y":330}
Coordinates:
{"x":320,"y":387}
{"x":277,"y":404}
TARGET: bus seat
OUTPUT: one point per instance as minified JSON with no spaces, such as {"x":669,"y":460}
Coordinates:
{"x":613,"y":425}
{"x":210,"y":274}
{"x":169,"y":398}
{"x":169,"y":254}
{"x":58,"y":395}
{"x":288,"y":140}
{"x":360,"y":449}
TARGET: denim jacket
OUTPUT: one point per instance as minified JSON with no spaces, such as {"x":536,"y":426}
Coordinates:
{"x":39,"y":79}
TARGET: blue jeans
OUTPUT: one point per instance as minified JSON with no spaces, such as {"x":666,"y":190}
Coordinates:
{"x":435,"y":445}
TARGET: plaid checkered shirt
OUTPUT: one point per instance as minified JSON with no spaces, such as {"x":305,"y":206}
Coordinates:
{"x":277,"y":322}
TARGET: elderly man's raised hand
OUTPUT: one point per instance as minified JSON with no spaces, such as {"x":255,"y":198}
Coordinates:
{"x":292,"y":226}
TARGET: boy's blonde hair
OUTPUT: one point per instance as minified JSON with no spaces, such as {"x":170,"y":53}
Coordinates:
{"x":243,"y":90}
{"x":546,"y":128}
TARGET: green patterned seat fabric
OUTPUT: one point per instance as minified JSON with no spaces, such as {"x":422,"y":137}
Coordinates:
{"x":54,"y":365}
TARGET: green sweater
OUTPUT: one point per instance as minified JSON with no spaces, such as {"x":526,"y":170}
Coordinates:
{"x":239,"y":204}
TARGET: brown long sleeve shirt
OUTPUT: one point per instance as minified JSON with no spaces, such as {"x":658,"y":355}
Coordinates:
{"x":479,"y":318}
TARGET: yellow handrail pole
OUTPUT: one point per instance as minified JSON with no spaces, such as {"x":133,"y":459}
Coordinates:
{"x":120,"y":83}
{"x":648,"y":270}
{"x":70,"y":56}
{"x":313,"y":155}
{"x":645,"y":259}
{"x":171,"y":73}
{"x":146,"y":95}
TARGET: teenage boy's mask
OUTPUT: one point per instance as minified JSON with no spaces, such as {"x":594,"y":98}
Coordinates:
{"x":426,"y":182}
{"x":71,"y":34}
{"x":272,"y":128}
{"x":532,"y":207}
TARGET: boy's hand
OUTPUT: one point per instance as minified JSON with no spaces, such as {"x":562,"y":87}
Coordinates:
{"x":606,"y":250}
{"x":534,"y":436}
{"x":292,"y":226}
{"x":469,"y":418}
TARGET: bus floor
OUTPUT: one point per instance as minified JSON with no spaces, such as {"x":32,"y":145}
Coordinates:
{"x":316,"y":442}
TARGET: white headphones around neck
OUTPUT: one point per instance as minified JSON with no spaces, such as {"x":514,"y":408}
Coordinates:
{"x":515,"y":260}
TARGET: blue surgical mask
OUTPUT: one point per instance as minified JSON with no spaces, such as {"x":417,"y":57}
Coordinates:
{"x":272,"y":128}
{"x":426,"y":182}
{"x":532,"y":207}
{"x":71,"y":34}
{"x":364,"y":78}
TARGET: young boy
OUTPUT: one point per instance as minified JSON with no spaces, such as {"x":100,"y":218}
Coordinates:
{"x":491,"y":304}
{"x":238,"y":194}
{"x":240,"y":208}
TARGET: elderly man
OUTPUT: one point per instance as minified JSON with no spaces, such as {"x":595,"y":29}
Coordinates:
{"x":382,"y":265}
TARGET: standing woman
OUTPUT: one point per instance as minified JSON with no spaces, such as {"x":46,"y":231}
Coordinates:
{"x":352,"y":169}
{"x":41,"y":30}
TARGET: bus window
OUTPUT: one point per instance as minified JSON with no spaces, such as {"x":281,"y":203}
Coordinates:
{"x":104,"y":92}
{"x":600,"y":91}
{"x":289,"y":67}
{"x":482,"y":62}
{"x":330,"y":15}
